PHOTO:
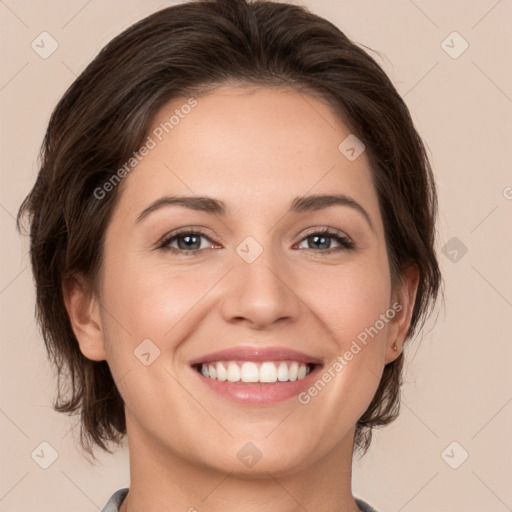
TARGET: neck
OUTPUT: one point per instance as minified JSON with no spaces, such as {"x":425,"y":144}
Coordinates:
{"x":161,"y":480}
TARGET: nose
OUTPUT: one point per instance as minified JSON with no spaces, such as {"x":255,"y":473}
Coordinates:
{"x":261,"y":293}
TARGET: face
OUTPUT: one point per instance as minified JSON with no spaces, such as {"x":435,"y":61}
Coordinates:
{"x":249,"y":314}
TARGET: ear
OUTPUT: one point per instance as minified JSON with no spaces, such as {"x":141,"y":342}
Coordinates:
{"x":403,"y":304}
{"x":84,"y":315}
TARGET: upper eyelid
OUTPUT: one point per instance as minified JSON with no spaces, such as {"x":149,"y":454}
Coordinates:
{"x":197,"y":231}
{"x":326,"y":229}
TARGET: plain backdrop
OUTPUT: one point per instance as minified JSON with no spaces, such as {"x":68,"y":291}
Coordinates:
{"x":450,"y":449}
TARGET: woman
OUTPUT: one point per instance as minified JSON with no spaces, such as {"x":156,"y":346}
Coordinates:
{"x":232,"y":238}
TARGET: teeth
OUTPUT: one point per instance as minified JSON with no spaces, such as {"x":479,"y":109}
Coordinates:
{"x":268,"y":372}
{"x":282,"y":372}
{"x":248,"y":371}
{"x":233,"y":372}
{"x":222,"y":375}
{"x":293,"y":371}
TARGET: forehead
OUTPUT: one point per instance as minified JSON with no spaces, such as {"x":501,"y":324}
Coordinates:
{"x":252,"y":147}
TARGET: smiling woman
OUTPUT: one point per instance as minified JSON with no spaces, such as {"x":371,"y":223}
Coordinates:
{"x":237,"y":299}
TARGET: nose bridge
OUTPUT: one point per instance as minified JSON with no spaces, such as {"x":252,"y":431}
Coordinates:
{"x":259,"y":290}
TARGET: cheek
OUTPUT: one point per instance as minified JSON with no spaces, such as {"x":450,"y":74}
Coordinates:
{"x":151,"y":301}
{"x":354,"y":309}
{"x":147,"y":310}
{"x":348,"y":299}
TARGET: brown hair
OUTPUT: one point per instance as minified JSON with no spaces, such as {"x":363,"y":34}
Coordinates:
{"x":104,"y":116}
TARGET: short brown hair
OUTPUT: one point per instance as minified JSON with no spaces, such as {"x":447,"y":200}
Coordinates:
{"x":104,"y":117}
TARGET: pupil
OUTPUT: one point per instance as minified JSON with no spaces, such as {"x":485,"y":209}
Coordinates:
{"x":324,"y":241}
{"x":188,"y":239}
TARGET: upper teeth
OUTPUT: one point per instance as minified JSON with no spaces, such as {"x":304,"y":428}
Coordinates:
{"x":250,"y":371}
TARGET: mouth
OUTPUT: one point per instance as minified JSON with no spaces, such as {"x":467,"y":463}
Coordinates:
{"x":257,"y":376}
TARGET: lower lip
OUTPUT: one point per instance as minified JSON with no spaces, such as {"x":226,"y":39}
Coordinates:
{"x":259,"y":393}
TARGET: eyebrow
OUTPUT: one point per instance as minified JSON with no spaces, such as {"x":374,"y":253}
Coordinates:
{"x":218,"y":207}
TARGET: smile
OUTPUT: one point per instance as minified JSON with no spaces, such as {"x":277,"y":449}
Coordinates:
{"x":257,"y":376}
{"x":251,"y":371}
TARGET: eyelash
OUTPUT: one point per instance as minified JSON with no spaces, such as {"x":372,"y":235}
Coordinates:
{"x":345,"y":243}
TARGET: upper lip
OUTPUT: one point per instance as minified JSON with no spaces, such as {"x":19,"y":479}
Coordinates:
{"x":260,"y":354}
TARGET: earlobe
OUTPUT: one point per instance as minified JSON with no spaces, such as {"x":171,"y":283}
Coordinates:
{"x":405,"y":299}
{"x":84,"y":315}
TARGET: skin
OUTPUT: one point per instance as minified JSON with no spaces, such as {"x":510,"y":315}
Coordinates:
{"x":256,"y":149}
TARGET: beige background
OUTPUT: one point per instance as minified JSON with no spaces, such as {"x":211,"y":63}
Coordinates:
{"x":458,"y":383}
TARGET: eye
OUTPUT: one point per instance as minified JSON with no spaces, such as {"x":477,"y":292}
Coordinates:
{"x":186,"y":242}
{"x":322,"y":240}
{"x":190,"y":241}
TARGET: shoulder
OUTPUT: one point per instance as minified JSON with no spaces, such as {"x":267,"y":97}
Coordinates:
{"x":364,"y":506}
{"x":115,"y":500}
